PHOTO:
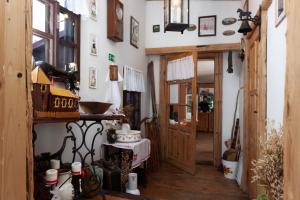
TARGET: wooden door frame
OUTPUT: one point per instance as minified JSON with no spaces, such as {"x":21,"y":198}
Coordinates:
{"x":292,"y":110}
{"x":262,"y":94}
{"x":16,"y":155}
{"x":218,"y":57}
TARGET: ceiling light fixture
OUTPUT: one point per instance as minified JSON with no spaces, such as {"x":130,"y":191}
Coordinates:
{"x":177,"y":16}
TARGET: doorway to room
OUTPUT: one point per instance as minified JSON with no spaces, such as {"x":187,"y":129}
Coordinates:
{"x":205,"y":116}
{"x":209,"y":110}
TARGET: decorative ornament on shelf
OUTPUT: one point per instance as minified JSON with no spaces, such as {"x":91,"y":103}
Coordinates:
{"x":177,"y":15}
{"x":192,"y":27}
{"x":229,"y":21}
{"x":229,"y":32}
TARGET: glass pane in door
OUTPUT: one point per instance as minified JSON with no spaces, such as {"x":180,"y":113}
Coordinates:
{"x":41,"y":16}
{"x":40,"y":48}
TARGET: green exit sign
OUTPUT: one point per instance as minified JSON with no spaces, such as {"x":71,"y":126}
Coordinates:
{"x":111,"y":57}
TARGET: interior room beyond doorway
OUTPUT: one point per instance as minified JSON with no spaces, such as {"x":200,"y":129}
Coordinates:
{"x":205,"y":117}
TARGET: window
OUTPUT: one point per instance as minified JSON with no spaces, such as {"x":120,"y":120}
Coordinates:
{"x":70,"y":103}
{"x":64,"y":103}
{"x":43,"y":30}
{"x":43,"y":89}
{"x":57,"y":102}
{"x":68,"y":38}
{"x":133,"y":99}
{"x":56,"y":34}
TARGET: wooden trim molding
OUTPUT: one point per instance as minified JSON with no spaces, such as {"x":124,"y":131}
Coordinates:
{"x":249,"y":151}
{"x":16,"y":157}
{"x":182,"y":49}
{"x":292,"y":108}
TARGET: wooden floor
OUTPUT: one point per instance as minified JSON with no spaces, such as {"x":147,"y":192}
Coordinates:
{"x":170,"y":183}
{"x":205,"y":148}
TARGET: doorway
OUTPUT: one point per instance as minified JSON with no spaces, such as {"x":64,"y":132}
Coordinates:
{"x":209,"y":121}
{"x":178,"y":116}
{"x":205,"y":116}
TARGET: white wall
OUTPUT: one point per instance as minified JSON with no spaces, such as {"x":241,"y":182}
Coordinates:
{"x":276,"y":62}
{"x":50,"y":137}
{"x":254,"y":6}
{"x":231,"y":85}
{"x":223,"y":9}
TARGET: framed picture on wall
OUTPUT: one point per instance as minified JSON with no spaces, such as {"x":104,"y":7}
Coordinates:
{"x":93,"y":45}
{"x":93,"y":77}
{"x":280,"y":11}
{"x":207,"y":26}
{"x":134,"y":32}
{"x":156,"y":28}
{"x":93,"y":9}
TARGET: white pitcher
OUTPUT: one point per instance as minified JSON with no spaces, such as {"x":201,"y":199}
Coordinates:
{"x":64,"y":189}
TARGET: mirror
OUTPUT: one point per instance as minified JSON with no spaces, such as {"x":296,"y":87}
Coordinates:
{"x":205,"y":86}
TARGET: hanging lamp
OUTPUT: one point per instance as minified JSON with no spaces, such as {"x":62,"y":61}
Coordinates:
{"x":177,"y":15}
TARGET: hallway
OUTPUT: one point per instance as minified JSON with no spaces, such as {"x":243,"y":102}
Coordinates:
{"x":205,"y":148}
{"x":170,"y":183}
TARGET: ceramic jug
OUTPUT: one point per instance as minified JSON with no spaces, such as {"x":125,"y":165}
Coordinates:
{"x":132,"y":184}
{"x":64,"y":188}
{"x":125,"y":127}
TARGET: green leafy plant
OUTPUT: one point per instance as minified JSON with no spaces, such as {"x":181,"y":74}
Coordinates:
{"x":262,"y":197}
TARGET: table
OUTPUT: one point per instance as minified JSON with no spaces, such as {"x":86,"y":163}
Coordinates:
{"x":127,"y":156}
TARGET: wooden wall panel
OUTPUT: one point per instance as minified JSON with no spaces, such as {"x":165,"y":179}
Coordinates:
{"x":163,"y":119}
{"x":16,"y":180}
{"x":292,"y":108}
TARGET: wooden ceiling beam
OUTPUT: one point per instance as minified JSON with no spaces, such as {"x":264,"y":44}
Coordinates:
{"x":201,"y":48}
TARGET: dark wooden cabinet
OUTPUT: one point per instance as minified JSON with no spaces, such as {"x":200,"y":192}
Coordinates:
{"x":115,"y":18}
{"x":205,"y":122}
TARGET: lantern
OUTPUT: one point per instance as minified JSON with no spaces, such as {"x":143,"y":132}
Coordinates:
{"x":177,"y":17}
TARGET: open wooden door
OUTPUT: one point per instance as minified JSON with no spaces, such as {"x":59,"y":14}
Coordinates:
{"x":181,"y":118}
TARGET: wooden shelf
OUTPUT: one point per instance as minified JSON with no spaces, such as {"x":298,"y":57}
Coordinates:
{"x":46,"y":117}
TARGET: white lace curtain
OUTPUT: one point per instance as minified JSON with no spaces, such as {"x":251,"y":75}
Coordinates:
{"x":180,"y":69}
{"x":133,"y":80}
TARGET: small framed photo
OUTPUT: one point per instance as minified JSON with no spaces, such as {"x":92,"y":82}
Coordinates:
{"x":93,"y":45}
{"x":93,"y":9}
{"x":207,"y":26}
{"x":93,"y":77}
{"x":134,"y":32}
{"x":156,"y":28}
{"x":280,"y":11}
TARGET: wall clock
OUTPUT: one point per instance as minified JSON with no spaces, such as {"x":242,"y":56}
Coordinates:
{"x":115,"y":18}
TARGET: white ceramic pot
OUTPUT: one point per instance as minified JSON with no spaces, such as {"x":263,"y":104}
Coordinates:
{"x":125,"y":127}
{"x":128,"y":136}
{"x":51,"y":176}
{"x":230,"y":169}
{"x":64,"y":187}
{"x":132,"y":184}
